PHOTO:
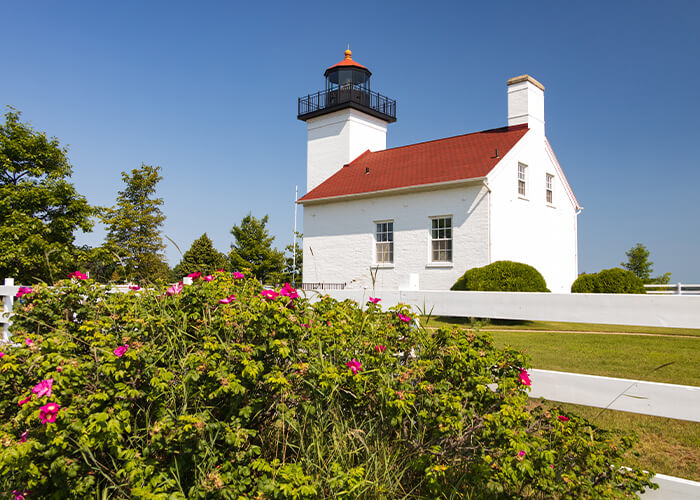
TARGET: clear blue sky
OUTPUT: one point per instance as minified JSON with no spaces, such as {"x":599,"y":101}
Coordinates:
{"x":208,"y":91}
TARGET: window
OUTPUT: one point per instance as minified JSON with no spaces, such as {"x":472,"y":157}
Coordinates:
{"x":548,"y":187}
{"x":521,"y":179}
{"x":385,"y":243}
{"x":441,"y":234}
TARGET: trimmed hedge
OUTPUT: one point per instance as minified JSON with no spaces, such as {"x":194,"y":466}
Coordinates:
{"x":613,"y":280}
{"x":502,"y":276}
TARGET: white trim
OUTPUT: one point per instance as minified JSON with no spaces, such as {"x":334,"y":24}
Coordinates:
{"x":564,"y":181}
{"x":390,"y":192}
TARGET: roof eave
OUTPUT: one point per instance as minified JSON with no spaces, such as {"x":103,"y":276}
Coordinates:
{"x":433,"y":186}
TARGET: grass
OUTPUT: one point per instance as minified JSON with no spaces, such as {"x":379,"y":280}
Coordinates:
{"x":623,"y":356}
{"x":558,"y":326}
{"x":665,"y":446}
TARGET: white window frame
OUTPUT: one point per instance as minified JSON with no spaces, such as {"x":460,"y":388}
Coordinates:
{"x":384,"y":242}
{"x":441,"y":240}
{"x":549,"y":188}
{"x":522,"y":179}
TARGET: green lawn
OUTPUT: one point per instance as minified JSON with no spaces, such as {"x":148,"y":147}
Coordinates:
{"x":623,"y":356}
{"x":551,"y":326}
{"x":665,"y":446}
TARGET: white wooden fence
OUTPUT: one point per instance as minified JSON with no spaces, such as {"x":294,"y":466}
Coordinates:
{"x":650,"y":398}
{"x":7,"y":297}
{"x":673,"y":289}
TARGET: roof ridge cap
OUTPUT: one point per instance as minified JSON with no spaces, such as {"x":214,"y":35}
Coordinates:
{"x":507,"y":128}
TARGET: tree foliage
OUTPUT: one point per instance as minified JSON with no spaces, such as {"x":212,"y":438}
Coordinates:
{"x":502,"y":276}
{"x":201,"y":257}
{"x":40,"y":210}
{"x":253,"y":250}
{"x":133,"y":227}
{"x":638,"y":262}
{"x":182,"y":395}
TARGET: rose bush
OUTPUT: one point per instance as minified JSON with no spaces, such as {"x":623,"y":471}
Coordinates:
{"x":221,"y":389}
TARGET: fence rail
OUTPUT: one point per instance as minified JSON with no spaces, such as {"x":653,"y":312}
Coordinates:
{"x":323,"y":286}
{"x":673,"y":289}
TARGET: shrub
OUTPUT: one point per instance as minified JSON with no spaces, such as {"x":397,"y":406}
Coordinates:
{"x":502,"y":276}
{"x":613,"y":280}
{"x":223,"y":390}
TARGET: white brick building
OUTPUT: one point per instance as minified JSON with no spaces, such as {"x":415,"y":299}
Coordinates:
{"x":419,"y":216}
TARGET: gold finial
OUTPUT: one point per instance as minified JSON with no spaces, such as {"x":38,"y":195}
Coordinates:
{"x":348,"y":53}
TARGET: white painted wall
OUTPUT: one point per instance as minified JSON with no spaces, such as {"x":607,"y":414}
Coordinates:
{"x":527,"y":228}
{"x":339,"y":238}
{"x":336,"y":139}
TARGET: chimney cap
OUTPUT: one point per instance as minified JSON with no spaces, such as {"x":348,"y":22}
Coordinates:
{"x":525,"y":78}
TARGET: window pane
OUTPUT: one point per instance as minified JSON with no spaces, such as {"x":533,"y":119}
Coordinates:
{"x":441,"y":239}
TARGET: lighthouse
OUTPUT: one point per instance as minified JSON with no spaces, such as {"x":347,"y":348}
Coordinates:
{"x":344,"y":120}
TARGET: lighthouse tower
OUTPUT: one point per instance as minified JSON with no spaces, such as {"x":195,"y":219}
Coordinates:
{"x":344,"y":120}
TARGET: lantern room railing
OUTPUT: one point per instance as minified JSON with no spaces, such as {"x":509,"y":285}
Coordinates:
{"x":340,"y":97}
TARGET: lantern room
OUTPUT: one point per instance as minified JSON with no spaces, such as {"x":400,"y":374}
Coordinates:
{"x":347,"y":73}
{"x":347,"y":86}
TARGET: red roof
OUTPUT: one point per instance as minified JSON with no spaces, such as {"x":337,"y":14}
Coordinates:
{"x":347,"y":62}
{"x":452,"y":159}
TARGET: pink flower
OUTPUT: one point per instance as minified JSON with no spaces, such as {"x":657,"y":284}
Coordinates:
{"x":379,"y":348}
{"x":238,"y":276}
{"x":25,"y":400}
{"x":288,"y":291}
{"x":521,"y":453}
{"x":48,"y":413}
{"x":43,"y":388}
{"x":134,"y":287}
{"x":23,"y":290}
{"x":23,"y":437}
{"x":175,"y":289}
{"x":563,"y":418}
{"x":208,"y":277}
{"x":2,"y":354}
{"x":59,"y":369}
{"x":269,"y":294}
{"x":194,"y":276}
{"x":354,"y":365}
{"x":374,"y":300}
{"x":404,"y":318}
{"x":524,"y":378}
{"x":228,"y":299}
{"x":220,"y":271}
{"x":78,"y":275}
{"x":28,"y":341}
{"x":20,"y":495}
{"x":119,"y":351}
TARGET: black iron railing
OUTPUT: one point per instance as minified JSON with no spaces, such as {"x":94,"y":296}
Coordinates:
{"x":323,"y":286}
{"x":327,"y":99}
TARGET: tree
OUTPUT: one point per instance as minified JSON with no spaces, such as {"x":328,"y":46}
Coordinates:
{"x":638,"y":262}
{"x":133,"y":227}
{"x":293,"y":267}
{"x":253,"y":250}
{"x":201,"y":257}
{"x":40,"y":210}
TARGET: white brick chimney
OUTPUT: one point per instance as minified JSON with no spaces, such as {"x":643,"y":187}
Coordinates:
{"x":526,"y":103}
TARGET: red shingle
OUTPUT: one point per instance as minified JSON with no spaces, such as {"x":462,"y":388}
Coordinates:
{"x":454,"y":158}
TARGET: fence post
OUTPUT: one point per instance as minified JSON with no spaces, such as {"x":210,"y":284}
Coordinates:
{"x":7,"y":311}
{"x":680,"y":289}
